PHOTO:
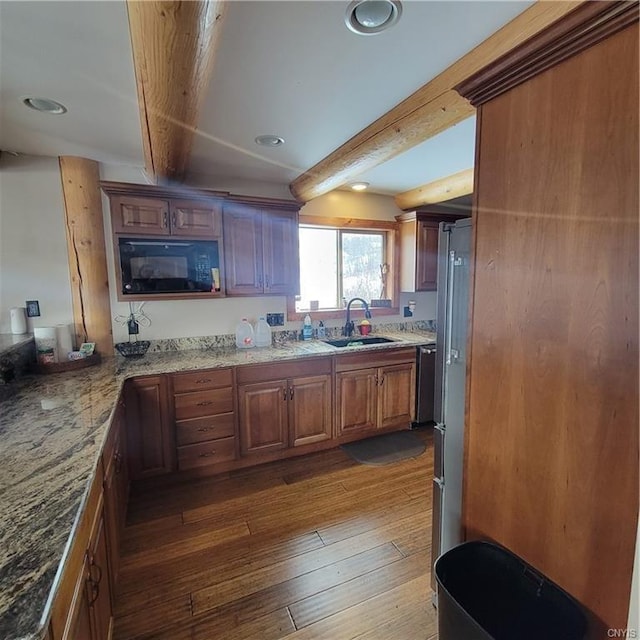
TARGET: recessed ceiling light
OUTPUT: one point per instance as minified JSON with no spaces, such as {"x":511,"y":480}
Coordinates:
{"x":44,"y":104}
{"x":359,"y":186}
{"x":370,"y":17}
{"x":270,"y":141}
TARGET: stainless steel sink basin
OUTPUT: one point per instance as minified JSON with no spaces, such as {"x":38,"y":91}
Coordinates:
{"x":358,"y":341}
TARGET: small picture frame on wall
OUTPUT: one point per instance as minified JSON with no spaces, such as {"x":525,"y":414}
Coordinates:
{"x":33,"y":308}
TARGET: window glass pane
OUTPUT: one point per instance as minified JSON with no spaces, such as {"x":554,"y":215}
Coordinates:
{"x":362,"y":255}
{"x":318,"y":268}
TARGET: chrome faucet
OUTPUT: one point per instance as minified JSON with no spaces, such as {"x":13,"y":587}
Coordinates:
{"x":349,"y":326}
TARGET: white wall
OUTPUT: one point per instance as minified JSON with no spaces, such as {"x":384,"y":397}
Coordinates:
{"x":33,"y":247}
{"x":190,"y":318}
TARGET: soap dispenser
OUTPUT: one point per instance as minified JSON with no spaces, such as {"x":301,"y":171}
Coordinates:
{"x":307,"y":329}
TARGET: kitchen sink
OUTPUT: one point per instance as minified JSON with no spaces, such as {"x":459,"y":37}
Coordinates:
{"x":358,"y":341}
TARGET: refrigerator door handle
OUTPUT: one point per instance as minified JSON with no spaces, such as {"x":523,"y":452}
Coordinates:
{"x":452,"y":259}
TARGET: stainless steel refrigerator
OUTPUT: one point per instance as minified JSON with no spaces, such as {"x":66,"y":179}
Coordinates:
{"x":449,"y":405}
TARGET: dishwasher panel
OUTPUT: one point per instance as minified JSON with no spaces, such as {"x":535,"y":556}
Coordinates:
{"x":425,"y":383}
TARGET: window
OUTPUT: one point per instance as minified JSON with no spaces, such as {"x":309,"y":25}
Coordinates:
{"x":338,"y":263}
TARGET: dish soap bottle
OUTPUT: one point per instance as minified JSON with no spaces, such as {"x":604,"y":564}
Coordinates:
{"x":263,"y":333}
{"x":244,"y":335}
{"x":307,"y":329}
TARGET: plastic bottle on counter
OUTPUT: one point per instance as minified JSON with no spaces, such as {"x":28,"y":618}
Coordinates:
{"x":245,"y":338}
{"x":263,"y":333}
{"x":307,"y":329}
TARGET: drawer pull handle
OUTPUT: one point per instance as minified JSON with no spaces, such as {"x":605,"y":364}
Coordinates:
{"x":204,"y":403}
{"x":206,"y":428}
{"x":203,"y":380}
{"x":208,"y":455}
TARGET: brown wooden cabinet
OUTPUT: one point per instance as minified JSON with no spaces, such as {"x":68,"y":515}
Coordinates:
{"x":204,"y":413}
{"x":261,"y":250}
{"x":157,"y":216}
{"x":82,"y":608}
{"x":284,"y":405}
{"x":375,"y":391}
{"x":419,"y":244}
{"x":551,"y":443}
{"x":116,"y":488}
{"x":150,"y":439}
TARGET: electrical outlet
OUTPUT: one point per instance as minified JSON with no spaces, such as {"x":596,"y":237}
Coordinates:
{"x":275,"y":319}
{"x":33,"y":308}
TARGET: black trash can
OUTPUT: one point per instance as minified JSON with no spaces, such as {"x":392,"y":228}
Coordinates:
{"x":485,"y":592}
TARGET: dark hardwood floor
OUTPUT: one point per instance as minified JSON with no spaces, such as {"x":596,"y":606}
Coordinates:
{"x":314,"y":547}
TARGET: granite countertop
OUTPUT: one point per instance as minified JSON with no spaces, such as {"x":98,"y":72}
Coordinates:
{"x":52,"y":431}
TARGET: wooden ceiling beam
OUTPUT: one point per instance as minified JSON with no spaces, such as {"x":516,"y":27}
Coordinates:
{"x":454,"y":186}
{"x":173,"y":51}
{"x":431,"y":109}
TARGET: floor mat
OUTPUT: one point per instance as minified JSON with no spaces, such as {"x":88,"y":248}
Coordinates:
{"x":385,"y":449}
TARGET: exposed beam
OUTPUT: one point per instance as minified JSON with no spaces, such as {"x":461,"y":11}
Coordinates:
{"x":431,"y":109}
{"x":454,"y":186}
{"x":87,"y":252}
{"x":173,"y":51}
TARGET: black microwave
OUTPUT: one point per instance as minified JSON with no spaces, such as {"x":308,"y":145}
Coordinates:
{"x":151,"y":266}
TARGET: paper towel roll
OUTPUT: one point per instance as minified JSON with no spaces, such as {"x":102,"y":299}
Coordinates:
{"x":63,"y":340}
{"x":46,"y":344}
{"x":18,"y":320}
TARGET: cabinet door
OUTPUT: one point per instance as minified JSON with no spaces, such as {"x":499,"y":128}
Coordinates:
{"x":396,"y":395}
{"x":148,"y":216}
{"x":309,"y":410}
{"x":243,"y":250}
{"x":427,"y":256}
{"x":263,"y":416}
{"x":356,"y":400}
{"x":149,"y":435}
{"x":196,"y":218}
{"x":280,"y":252}
{"x":80,"y":614}
{"x":99,"y":583}
{"x":116,"y":493}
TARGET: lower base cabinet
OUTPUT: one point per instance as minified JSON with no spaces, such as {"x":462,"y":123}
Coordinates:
{"x":150,"y":445}
{"x":371,"y":398}
{"x":82,"y":608}
{"x":284,"y":405}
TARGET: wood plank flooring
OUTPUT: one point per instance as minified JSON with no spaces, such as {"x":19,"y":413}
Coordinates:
{"x":315,"y":547}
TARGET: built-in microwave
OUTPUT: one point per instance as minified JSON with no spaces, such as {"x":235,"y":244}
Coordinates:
{"x":149,"y":265}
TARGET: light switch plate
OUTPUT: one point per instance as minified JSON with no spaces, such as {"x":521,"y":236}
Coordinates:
{"x":275,"y":319}
{"x":33,"y":308}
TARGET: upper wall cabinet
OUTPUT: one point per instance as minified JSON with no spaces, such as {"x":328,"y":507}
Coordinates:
{"x":256,"y":239}
{"x":419,"y":246}
{"x":155,"y":216}
{"x":261,"y":250}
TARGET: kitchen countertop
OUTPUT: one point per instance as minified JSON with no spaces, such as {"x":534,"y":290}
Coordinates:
{"x":52,"y":431}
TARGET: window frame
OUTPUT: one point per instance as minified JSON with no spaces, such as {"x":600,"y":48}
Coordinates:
{"x":392,"y":258}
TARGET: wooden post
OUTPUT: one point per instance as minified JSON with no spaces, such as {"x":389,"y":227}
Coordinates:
{"x":87,"y":252}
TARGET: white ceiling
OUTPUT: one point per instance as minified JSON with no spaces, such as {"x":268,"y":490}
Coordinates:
{"x":288,"y":68}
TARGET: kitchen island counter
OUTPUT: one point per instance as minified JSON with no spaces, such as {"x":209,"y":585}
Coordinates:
{"x":53,"y":429}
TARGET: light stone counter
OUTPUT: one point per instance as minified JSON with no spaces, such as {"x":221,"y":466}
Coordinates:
{"x":52,"y":430}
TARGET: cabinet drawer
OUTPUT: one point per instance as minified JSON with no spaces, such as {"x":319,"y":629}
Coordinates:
{"x":206,"y":453}
{"x":384,"y":357}
{"x":203,"y":403}
{"x":207,"y":428}
{"x":197,"y":380}
{"x":281,"y":370}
